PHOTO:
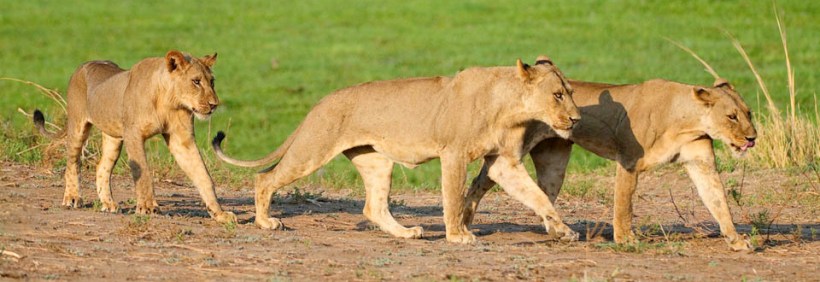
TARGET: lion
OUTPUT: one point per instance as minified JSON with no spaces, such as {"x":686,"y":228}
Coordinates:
{"x":642,"y":126}
{"x":479,"y":112}
{"x":157,"y":96}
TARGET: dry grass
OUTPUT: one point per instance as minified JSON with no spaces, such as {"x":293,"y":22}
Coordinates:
{"x":785,"y":141}
{"x":790,"y":140}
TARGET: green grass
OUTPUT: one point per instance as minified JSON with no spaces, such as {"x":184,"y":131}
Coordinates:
{"x":319,"y":46}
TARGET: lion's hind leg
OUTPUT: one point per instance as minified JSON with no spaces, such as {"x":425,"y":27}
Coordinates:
{"x":376,"y":171}
{"x":111,"y":147}
{"x":291,"y":167}
{"x":77,"y":133}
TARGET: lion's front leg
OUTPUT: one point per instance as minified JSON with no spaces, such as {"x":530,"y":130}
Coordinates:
{"x":513,"y":177}
{"x":700,"y":164}
{"x":625,"y":182}
{"x":453,"y":176}
{"x":141,"y":173}
{"x":183,"y":147}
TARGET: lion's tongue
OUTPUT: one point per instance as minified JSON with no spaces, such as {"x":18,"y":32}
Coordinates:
{"x":747,"y":145}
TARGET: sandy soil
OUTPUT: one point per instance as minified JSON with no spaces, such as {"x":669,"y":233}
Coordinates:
{"x":327,"y":237}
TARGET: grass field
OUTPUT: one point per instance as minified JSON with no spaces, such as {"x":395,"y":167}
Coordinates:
{"x":278,"y":58}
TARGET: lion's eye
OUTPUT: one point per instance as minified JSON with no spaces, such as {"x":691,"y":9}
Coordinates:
{"x":733,"y":117}
{"x":558,"y":95}
{"x":212,"y":82}
{"x":197,"y":81}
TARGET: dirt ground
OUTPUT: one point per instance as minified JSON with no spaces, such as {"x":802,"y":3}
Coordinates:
{"x":327,"y":237}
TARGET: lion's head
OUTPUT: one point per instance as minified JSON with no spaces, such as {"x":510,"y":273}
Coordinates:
{"x":547,"y":86}
{"x":728,"y":118}
{"x":192,"y":82}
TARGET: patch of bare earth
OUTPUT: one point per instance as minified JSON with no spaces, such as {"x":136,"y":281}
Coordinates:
{"x":327,"y":237}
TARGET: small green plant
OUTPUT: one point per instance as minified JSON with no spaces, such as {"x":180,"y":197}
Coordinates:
{"x":761,"y":220}
{"x":578,"y":188}
{"x":396,"y":203}
{"x":96,"y":205}
{"x":180,"y":236}
{"x":736,"y":195}
{"x":140,"y":219}
{"x":731,"y":182}
{"x":230,"y":227}
{"x":131,"y":202}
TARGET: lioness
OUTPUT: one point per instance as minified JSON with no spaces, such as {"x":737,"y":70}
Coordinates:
{"x":641,"y":126}
{"x":157,"y":96}
{"x":480,"y":112}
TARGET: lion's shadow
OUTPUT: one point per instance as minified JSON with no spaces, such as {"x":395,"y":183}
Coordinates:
{"x":776,"y":234}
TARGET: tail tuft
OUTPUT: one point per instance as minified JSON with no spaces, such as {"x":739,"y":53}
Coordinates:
{"x":39,"y":118}
{"x":40,"y":124}
{"x":217,"y":142}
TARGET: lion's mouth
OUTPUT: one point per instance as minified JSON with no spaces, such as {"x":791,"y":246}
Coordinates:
{"x":203,"y":115}
{"x":744,"y":147}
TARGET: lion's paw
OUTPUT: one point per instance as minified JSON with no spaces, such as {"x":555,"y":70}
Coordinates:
{"x":72,"y":201}
{"x":569,"y":236}
{"x":624,"y":238}
{"x":463,"y":238}
{"x":415,"y":232}
{"x":109,"y":206}
{"x":271,"y":223}
{"x":226,"y":217}
{"x":741,"y":244}
{"x":147,"y":210}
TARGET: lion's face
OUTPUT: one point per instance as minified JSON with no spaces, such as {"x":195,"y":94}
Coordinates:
{"x":728,"y":118}
{"x":548,"y":87}
{"x":192,"y":83}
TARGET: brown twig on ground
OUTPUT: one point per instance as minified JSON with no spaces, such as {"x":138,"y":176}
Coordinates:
{"x":11,"y":254}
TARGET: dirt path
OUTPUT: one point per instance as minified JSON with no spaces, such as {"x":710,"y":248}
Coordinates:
{"x":328,"y":238}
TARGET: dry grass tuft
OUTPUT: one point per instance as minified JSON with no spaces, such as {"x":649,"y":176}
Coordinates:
{"x":793,"y":140}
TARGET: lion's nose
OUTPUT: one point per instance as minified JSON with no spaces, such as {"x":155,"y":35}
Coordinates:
{"x":751,"y":138}
{"x":574,"y":120}
{"x":213,"y":104}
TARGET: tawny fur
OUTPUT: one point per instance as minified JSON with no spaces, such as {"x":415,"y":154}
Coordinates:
{"x":642,"y":126}
{"x":157,"y":96}
{"x":480,"y":112}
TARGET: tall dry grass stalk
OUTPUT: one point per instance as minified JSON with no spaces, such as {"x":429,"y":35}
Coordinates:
{"x":793,"y":140}
{"x":788,"y":141}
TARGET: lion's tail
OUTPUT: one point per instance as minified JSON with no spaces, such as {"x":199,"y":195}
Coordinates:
{"x":40,"y":123}
{"x":273,"y":156}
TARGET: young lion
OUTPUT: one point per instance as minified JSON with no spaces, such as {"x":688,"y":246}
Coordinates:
{"x":642,"y":126}
{"x":157,"y":96}
{"x":481,"y":112}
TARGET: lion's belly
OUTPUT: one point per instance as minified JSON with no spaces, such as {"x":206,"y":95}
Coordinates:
{"x":409,"y":156}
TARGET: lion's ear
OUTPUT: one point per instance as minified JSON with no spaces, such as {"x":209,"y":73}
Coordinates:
{"x":543,"y":60}
{"x":209,"y":60}
{"x":523,"y":69}
{"x":175,"y":60}
{"x":703,"y":96}
{"x":720,"y":82}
